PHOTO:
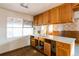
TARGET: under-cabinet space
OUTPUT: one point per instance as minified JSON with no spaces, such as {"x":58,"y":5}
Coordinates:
{"x":40,"y":45}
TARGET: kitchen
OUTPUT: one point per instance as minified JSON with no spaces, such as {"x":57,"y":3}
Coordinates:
{"x":60,"y":25}
{"x":51,"y":32}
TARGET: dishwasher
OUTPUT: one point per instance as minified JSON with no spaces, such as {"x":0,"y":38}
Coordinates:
{"x":53,"y":48}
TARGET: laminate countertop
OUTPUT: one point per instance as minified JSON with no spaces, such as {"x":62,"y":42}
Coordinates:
{"x":57,"y":38}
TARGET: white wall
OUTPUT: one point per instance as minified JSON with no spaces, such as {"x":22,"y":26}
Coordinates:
{"x":8,"y":13}
{"x":14,"y":44}
{"x":4,"y":46}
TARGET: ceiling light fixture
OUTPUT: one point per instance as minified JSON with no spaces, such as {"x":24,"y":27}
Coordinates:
{"x":24,"y":5}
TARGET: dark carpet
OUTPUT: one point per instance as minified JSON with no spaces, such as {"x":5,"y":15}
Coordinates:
{"x":25,"y":51}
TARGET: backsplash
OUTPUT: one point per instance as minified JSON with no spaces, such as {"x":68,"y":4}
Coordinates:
{"x":67,"y":26}
{"x":58,"y":27}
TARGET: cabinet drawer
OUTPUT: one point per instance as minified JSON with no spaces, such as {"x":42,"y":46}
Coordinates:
{"x":60,"y":44}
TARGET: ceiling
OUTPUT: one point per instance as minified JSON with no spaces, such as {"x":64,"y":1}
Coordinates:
{"x":33,"y":8}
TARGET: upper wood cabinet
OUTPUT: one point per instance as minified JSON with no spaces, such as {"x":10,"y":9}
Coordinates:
{"x":75,"y":6}
{"x":60,"y":14}
{"x":35,"y":21}
{"x":53,"y":16}
{"x":40,"y":19}
{"x":45,"y":18}
{"x":65,"y":13}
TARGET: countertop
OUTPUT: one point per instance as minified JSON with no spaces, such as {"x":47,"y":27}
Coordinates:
{"x":58,"y":38}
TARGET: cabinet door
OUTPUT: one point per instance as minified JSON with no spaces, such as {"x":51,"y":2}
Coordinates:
{"x":65,"y":13}
{"x":53,"y":16}
{"x":45,"y":18}
{"x":62,"y":51}
{"x":47,"y":49}
{"x":35,"y":21}
{"x":33,"y":42}
{"x":40,"y":19}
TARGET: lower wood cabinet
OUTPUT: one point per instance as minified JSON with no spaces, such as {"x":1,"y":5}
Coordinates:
{"x":33,"y":42}
{"x":62,"y":49}
{"x":51,"y":48}
{"x":47,"y":48}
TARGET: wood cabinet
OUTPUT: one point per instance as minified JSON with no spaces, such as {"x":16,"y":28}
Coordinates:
{"x":60,"y":14}
{"x":54,"y":16}
{"x":62,"y":52}
{"x":77,"y":37}
{"x":75,"y":6}
{"x":51,"y":47}
{"x":33,"y":42}
{"x":65,"y":13}
{"x":62,"y":49}
{"x":47,"y":48}
{"x":45,"y":18}
{"x":40,"y":19}
{"x":35,"y":21}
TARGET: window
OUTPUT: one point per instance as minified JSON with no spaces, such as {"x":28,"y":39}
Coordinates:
{"x":27,"y":28}
{"x":9,"y":32}
{"x":17,"y":32}
{"x":27,"y":31}
{"x":17,"y":27}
